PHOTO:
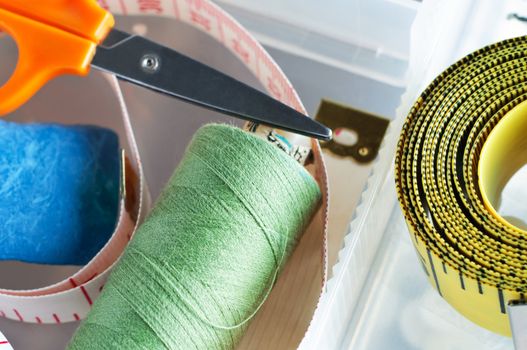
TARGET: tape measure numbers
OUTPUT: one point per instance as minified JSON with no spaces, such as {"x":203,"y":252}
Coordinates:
{"x":474,"y":258}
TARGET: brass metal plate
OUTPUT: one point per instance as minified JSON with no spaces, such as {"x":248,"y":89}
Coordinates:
{"x":370,"y":130}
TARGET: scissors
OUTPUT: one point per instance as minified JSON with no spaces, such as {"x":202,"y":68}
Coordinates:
{"x":56,"y":37}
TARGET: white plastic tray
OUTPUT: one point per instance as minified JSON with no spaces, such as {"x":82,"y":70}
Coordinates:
{"x":379,"y":297}
{"x":367,"y":37}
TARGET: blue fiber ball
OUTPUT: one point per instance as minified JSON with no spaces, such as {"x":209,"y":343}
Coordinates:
{"x":59,"y":192}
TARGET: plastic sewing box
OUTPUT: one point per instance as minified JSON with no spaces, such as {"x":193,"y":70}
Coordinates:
{"x":373,"y":55}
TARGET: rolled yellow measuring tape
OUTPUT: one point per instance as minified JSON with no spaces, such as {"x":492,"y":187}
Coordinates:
{"x":463,"y":139}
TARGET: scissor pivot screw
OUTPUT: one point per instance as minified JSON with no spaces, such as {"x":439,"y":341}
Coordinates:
{"x":364,"y":151}
{"x":150,"y":63}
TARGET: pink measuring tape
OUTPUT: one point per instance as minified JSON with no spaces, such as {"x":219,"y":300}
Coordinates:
{"x":71,"y":299}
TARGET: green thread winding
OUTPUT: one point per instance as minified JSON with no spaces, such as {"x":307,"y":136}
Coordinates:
{"x":208,"y":254}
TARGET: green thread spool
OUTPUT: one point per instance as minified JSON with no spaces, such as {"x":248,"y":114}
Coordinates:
{"x":207,"y":256}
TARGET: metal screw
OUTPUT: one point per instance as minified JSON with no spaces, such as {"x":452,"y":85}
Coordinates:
{"x":364,"y":151}
{"x":150,"y":63}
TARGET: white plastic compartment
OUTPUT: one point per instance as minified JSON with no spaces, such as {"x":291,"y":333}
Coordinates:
{"x":379,"y":298}
{"x":367,"y":37}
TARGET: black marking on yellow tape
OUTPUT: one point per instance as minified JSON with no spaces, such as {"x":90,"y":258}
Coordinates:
{"x":502,"y":301}
{"x":522,"y":298}
{"x":423,"y":264}
{"x":480,"y":287}
{"x":461,"y":281}
{"x":434,"y":272}
{"x":416,"y":239}
{"x":444,"y":267}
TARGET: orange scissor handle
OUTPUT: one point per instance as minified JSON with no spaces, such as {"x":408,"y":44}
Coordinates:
{"x":54,"y":37}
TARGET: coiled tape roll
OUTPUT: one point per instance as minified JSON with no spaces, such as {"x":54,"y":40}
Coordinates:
{"x":468,"y":119}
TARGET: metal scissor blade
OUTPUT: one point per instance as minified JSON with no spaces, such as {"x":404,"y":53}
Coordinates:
{"x":145,"y":63}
